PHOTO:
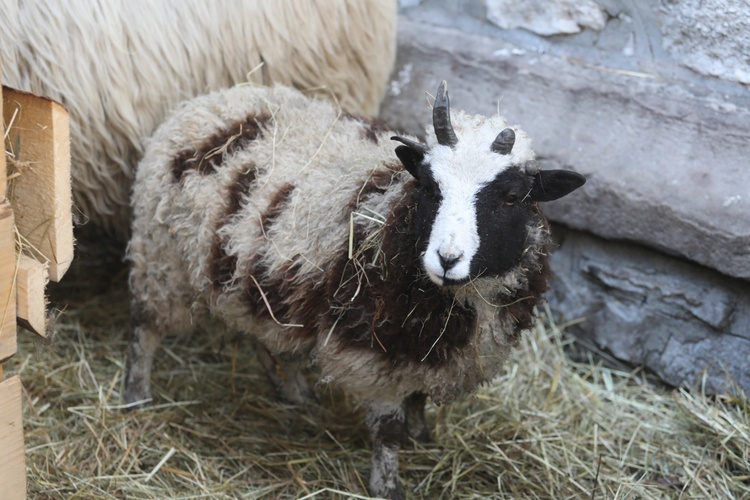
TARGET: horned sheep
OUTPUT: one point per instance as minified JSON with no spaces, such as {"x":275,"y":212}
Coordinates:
{"x":403,"y":275}
{"x":119,"y":67}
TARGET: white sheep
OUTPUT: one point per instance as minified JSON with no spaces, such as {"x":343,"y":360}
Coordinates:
{"x":119,"y":67}
{"x":404,"y":275}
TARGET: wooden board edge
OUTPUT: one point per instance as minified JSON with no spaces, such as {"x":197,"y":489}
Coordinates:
{"x":12,"y":450}
{"x":7,"y":282}
{"x":31,"y":303}
{"x":55,"y":244}
{"x":64,"y":251}
{"x":3,"y":165}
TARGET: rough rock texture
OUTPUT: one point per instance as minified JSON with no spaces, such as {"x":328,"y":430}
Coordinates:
{"x":711,"y":37}
{"x":677,"y":318}
{"x":666,"y":163}
{"x":545,"y":17}
{"x":665,"y":153}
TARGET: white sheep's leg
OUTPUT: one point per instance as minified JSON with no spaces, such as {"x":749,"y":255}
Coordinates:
{"x":388,"y":431}
{"x":416,"y":425}
{"x":287,"y":377}
{"x":141,"y":348}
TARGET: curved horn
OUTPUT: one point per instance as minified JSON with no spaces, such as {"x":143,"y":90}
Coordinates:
{"x":416,"y":146}
{"x":441,"y":117}
{"x":503,"y":143}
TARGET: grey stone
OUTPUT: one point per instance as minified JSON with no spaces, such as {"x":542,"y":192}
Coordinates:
{"x":711,"y":37}
{"x":666,"y":161}
{"x":677,"y":318}
{"x":663,"y":146}
{"x":546,"y":17}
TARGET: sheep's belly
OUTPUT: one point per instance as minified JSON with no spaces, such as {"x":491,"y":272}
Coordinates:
{"x":371,"y":374}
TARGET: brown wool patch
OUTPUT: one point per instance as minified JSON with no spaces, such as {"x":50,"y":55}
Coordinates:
{"x":238,"y":190}
{"x":292,"y":298}
{"x":372,"y":127}
{"x":414,"y":314}
{"x":399,"y":313}
{"x":205,"y":157}
{"x":221,"y":266}
{"x":521,"y":304}
{"x":377,"y":182}
{"x":278,"y":203}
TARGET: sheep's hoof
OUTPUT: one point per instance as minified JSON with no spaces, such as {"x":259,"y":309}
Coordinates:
{"x":135,"y":398}
{"x":396,"y":493}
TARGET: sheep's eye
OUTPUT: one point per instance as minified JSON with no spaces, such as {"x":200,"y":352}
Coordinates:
{"x":429,"y":187}
{"x":510,"y":199}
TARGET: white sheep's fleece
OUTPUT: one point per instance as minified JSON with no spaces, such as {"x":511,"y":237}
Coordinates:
{"x":119,"y":67}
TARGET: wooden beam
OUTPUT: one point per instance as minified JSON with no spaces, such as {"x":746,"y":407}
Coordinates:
{"x":7,"y":283}
{"x":12,"y":453}
{"x":3,"y":171}
{"x":31,"y":305}
{"x":39,"y":139}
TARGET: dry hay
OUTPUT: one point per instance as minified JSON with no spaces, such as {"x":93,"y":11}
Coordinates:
{"x":549,"y":428}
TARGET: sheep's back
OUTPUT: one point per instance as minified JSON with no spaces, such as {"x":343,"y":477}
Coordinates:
{"x":243,"y":186}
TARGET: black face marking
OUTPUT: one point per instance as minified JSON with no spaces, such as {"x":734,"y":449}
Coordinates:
{"x":503,"y":210}
{"x":428,"y":198}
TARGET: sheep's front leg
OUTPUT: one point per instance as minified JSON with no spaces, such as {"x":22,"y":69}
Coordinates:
{"x":388,"y":431}
{"x":416,"y":424}
{"x":287,"y":377}
{"x":140,"y":358}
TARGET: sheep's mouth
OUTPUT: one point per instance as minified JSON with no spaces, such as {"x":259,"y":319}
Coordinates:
{"x":449,"y":282}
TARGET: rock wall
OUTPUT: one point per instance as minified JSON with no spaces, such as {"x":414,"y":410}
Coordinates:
{"x":648,"y":101}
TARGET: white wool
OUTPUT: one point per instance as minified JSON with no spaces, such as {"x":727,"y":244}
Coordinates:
{"x":119,"y":67}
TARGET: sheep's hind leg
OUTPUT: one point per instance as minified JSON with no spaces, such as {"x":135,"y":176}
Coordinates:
{"x":388,"y":431}
{"x":416,"y":425}
{"x":286,"y":377}
{"x":140,"y":358}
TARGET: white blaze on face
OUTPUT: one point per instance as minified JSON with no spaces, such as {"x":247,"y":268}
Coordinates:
{"x":461,"y":173}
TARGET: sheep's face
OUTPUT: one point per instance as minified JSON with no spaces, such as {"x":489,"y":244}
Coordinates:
{"x":477,"y":194}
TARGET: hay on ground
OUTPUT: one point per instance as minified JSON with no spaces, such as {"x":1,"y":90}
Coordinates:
{"x":550,"y":427}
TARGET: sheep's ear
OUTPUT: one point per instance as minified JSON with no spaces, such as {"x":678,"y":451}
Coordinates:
{"x":410,"y":159}
{"x":553,"y":184}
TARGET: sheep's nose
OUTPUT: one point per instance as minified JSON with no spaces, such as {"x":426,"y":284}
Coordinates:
{"x":448,"y":261}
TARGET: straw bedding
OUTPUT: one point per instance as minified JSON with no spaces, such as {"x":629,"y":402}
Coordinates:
{"x":550,"y":427}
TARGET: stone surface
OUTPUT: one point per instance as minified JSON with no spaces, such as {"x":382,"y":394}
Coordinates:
{"x":677,"y":318}
{"x":666,"y":161}
{"x":711,"y":37}
{"x":664,"y":148}
{"x":546,"y":17}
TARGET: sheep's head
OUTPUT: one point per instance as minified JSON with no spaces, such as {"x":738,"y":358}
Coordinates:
{"x":478,"y":184}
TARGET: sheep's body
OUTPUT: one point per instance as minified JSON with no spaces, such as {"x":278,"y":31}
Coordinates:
{"x":119,"y":67}
{"x":295,"y":225}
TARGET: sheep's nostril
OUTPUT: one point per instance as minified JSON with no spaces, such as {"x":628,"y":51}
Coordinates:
{"x":448,"y":262}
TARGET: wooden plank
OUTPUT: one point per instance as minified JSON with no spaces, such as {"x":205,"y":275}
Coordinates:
{"x":12,"y":453}
{"x":31,"y":304}
{"x":7,"y":283}
{"x":39,"y":191}
{"x":3,"y":171}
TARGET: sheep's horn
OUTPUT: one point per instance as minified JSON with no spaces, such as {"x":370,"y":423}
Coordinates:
{"x":504,"y":141}
{"x":441,"y":117}
{"x":416,"y":146}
